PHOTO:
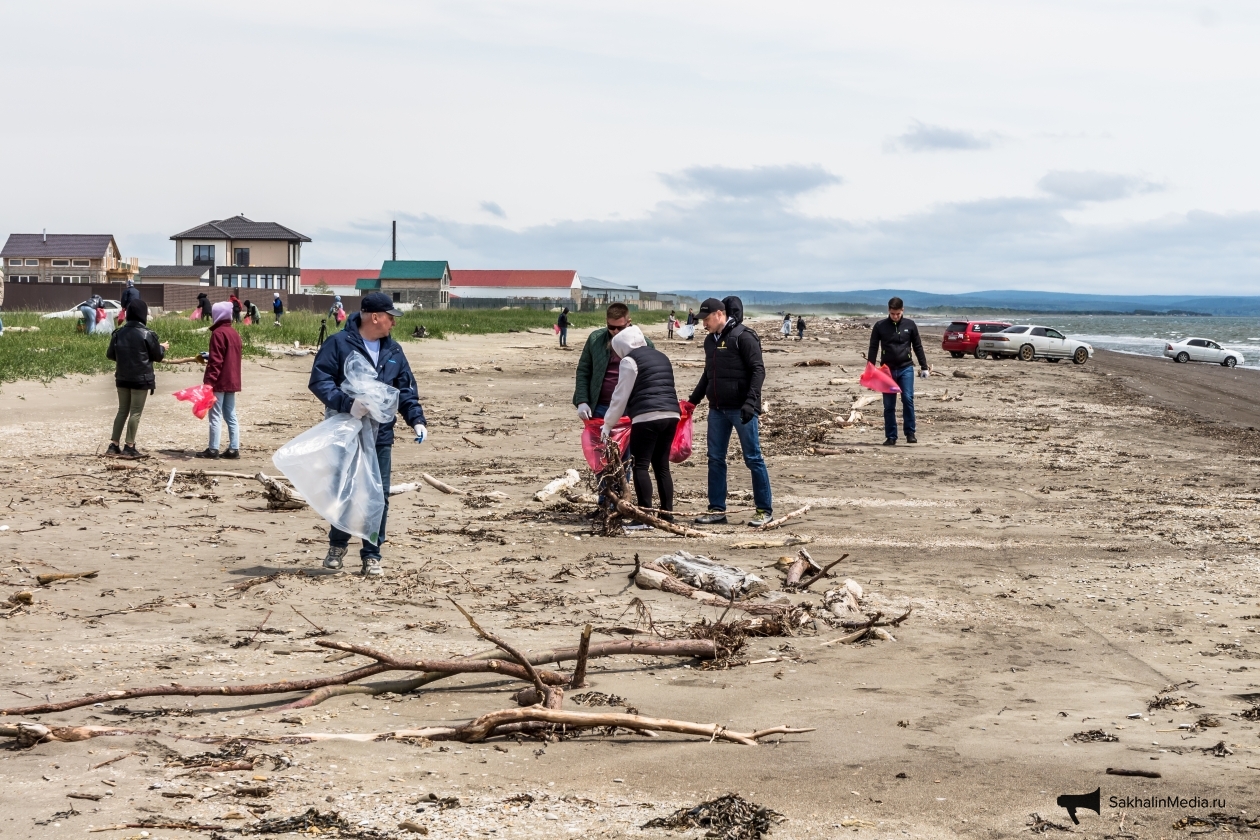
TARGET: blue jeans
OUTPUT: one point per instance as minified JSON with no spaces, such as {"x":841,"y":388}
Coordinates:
{"x":904,"y":378}
{"x":224,"y":409}
{"x":89,"y":319}
{"x":338,"y":538}
{"x":564,"y":336}
{"x":600,"y":411}
{"x":721,"y":422}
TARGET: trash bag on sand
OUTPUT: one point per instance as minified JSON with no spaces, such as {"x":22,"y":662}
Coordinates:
{"x":593,"y":449}
{"x":879,"y":379}
{"x":333,"y":465}
{"x":202,"y":398}
{"x":680,"y":449}
{"x":688,"y":331}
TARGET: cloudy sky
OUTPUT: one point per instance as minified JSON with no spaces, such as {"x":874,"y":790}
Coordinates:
{"x":946,"y":146}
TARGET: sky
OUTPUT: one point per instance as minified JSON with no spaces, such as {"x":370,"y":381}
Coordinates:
{"x":1101,"y":146}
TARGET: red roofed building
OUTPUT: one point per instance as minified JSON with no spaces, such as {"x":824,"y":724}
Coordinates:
{"x":340,"y":281}
{"x":519,"y":284}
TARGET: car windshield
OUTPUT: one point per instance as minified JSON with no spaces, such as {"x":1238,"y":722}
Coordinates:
{"x":957,"y":326}
{"x":1015,"y":330}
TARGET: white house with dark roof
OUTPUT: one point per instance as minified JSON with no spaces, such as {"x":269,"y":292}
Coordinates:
{"x":244,"y":254}
{"x":64,"y":258}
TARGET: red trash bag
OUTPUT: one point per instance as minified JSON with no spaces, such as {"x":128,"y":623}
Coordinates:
{"x":680,"y":449}
{"x":879,"y":379}
{"x":202,"y":397}
{"x":100,"y":315}
{"x":593,"y":449}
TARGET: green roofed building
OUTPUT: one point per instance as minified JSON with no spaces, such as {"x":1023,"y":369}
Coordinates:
{"x":421,"y":283}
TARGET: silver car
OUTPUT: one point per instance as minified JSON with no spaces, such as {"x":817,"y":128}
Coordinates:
{"x":111,"y":307}
{"x":1028,"y":342}
{"x":1201,"y":350}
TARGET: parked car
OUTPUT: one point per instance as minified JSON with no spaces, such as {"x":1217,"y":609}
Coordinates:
{"x":962,"y":337}
{"x":1201,"y":350}
{"x":112,"y":308}
{"x":1028,"y":342}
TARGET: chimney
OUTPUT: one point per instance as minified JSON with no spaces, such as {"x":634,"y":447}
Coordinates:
{"x":45,"y":235}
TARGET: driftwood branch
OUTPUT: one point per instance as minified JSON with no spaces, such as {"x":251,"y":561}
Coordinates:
{"x":802,"y":562}
{"x":639,"y":515}
{"x":650,"y":576}
{"x":440,"y":485}
{"x":44,"y":580}
{"x":775,"y":523}
{"x":279,"y":497}
{"x":584,"y":651}
{"x":808,"y":582}
{"x":511,"y":651}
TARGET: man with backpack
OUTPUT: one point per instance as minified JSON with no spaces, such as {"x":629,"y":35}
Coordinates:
{"x":733,"y":375}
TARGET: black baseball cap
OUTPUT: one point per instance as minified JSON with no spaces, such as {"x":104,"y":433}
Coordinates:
{"x":710,"y":306}
{"x":379,"y":302}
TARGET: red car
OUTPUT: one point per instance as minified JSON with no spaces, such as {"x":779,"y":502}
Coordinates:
{"x":961,"y":337}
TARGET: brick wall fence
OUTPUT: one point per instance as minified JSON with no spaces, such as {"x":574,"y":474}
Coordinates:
{"x":170,"y":297}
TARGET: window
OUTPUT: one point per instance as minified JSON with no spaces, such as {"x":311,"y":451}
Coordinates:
{"x":1039,"y":331}
{"x":992,"y":328}
{"x":61,"y":263}
{"x":957,"y":326}
{"x":82,"y":263}
{"x":1212,"y":345}
{"x":203,"y":255}
{"x":32,"y":262}
{"x":23,"y":278}
{"x":240,"y":256}
{"x":397,"y":297}
{"x":1016,"y":330}
{"x":15,"y":262}
{"x":1053,"y":334}
{"x":1197,"y":342}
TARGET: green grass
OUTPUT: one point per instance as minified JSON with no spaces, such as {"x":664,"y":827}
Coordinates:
{"x":58,"y":349}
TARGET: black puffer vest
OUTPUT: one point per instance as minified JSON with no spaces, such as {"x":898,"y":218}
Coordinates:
{"x":654,"y":387}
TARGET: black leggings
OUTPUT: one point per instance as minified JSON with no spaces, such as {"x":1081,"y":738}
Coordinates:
{"x":650,"y":443}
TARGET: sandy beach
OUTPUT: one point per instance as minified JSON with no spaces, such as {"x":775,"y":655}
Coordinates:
{"x":1076,"y":541}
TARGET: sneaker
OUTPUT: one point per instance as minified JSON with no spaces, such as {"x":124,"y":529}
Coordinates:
{"x":232,"y":454}
{"x":113,"y":450}
{"x":762,"y":517}
{"x":371,"y":566}
{"x":911,"y":439}
{"x":130,"y":451}
{"x":212,"y":454}
{"x":666,"y":517}
{"x":890,"y":441}
{"x":335,"y":557}
{"x":713,"y":517}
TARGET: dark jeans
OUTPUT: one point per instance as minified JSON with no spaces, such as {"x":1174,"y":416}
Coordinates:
{"x":340,"y":539}
{"x":904,"y":377}
{"x":721,"y":422}
{"x":650,"y":443}
{"x":564,"y":336}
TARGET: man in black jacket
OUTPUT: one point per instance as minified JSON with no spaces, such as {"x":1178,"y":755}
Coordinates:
{"x":732,"y":380}
{"x":894,"y":338}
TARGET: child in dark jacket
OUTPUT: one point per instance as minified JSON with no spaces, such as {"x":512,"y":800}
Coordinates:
{"x":223,"y":373}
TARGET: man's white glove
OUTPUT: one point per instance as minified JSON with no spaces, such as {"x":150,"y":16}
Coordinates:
{"x":359,"y":410}
{"x":422,"y":434}
{"x":584,"y":412}
{"x":605,"y":433}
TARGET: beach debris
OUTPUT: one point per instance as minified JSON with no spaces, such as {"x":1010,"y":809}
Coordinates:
{"x":853,"y":419}
{"x":44,"y":580}
{"x":1167,"y":702}
{"x":564,"y":482}
{"x":702,"y":573}
{"x":1093,"y":736}
{"x":650,"y":575}
{"x":440,"y":485}
{"x":1145,"y":774}
{"x":729,"y":817}
{"x":863,"y":401}
{"x":1038,"y":824}
{"x":789,"y":540}
{"x":399,"y":489}
{"x":1237,"y":824}
{"x":812,"y":363}
{"x":775,"y":523}
{"x":279,"y":497}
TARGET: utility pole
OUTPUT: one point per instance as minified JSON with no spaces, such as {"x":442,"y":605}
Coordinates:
{"x":393,"y":242}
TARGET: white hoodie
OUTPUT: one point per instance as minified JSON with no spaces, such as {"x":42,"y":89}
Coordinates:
{"x":629,"y":339}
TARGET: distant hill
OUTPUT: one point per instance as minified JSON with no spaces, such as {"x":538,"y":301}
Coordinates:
{"x":1010,"y":300}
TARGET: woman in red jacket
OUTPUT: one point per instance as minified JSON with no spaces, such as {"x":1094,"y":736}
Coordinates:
{"x":223,"y":373}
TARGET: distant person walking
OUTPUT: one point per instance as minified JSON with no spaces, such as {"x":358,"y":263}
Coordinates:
{"x":129,"y":294}
{"x":223,"y":373}
{"x":133,"y":348}
{"x":645,"y":392}
{"x":786,"y":328}
{"x":598,"y":368}
{"x":235,"y":300}
{"x":733,"y":375}
{"x":800,"y":327}
{"x":337,"y":312}
{"x":277,"y":308}
{"x":669,"y":325}
{"x":562,"y":323}
{"x":203,"y":306}
{"x":894,"y":338}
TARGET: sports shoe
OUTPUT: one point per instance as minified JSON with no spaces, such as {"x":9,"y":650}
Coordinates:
{"x":890,"y":441}
{"x":335,"y":557}
{"x":911,"y":439}
{"x":713,"y":517}
{"x":232,"y":454}
{"x":113,"y":450}
{"x":371,"y":566}
{"x":212,"y":454}
{"x":762,"y":517}
{"x":130,"y":451}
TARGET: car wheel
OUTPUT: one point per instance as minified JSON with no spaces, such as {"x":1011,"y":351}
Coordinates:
{"x":979,"y":354}
{"x":1026,"y":353}
{"x":1081,"y":356}
{"x":956,"y":354}
{"x":1182,"y":358}
{"x":1230,"y":361}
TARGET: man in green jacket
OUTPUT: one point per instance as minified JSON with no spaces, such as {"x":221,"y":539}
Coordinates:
{"x":599,"y":367}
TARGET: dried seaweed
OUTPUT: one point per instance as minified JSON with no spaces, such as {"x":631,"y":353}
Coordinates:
{"x":1094,"y":735}
{"x":1038,"y":824}
{"x":1166,"y":702}
{"x":1217,"y":820}
{"x":311,"y":823}
{"x":729,"y":817}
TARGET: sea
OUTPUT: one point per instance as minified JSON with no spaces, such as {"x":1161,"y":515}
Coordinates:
{"x":1141,"y":335}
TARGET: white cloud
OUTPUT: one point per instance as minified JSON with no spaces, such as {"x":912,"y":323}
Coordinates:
{"x":1095,"y":186}
{"x":921,"y":137}
{"x":493,"y":209}
{"x":757,"y":181}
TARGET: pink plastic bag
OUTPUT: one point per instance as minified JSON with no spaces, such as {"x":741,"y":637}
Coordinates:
{"x":680,"y":450}
{"x":202,"y":397}
{"x":591,"y":446}
{"x":879,"y":379}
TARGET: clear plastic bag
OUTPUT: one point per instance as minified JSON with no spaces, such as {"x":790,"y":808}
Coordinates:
{"x":334,"y":466}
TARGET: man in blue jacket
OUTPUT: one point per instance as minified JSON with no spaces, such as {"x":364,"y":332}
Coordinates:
{"x":367,"y":333}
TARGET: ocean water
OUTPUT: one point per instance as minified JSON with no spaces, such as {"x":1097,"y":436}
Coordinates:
{"x":1143,"y":335}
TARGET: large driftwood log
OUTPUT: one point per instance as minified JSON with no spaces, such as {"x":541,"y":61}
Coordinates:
{"x":638,"y":514}
{"x":440,"y":485}
{"x":280,"y":497}
{"x":648,"y":576}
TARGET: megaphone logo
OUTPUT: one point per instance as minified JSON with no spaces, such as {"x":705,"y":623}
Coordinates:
{"x":1072,"y":801}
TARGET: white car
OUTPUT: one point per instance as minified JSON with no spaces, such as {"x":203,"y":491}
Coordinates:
{"x":112,"y":308}
{"x":1201,"y":350}
{"x":1028,"y":342}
